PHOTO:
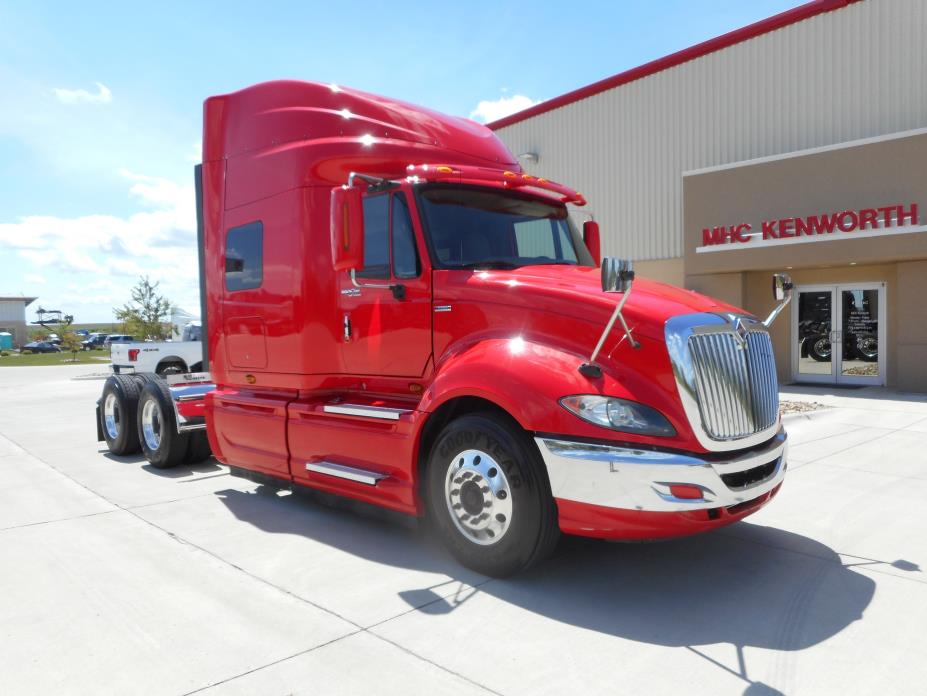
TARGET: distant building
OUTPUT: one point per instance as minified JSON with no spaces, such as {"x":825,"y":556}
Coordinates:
{"x":13,"y":317}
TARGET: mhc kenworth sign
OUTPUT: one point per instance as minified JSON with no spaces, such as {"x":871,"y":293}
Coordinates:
{"x":865,"y":222}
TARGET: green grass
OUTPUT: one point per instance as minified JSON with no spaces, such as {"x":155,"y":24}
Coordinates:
{"x":84,"y":357}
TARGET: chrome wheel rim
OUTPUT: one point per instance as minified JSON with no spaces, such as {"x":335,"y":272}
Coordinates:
{"x":151,"y":424}
{"x":869,"y":347}
{"x":822,"y":347}
{"x":478,"y":497}
{"x":111,"y":416}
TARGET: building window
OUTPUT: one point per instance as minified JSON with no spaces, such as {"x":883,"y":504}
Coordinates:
{"x":244,"y":257}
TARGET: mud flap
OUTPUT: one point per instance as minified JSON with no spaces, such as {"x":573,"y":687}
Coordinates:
{"x":100,"y":437}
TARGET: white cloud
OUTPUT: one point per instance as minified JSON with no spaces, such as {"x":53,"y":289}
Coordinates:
{"x":77,"y":96}
{"x":488,"y":111}
{"x":195,"y":156}
{"x":35,"y":279}
{"x":96,"y":259}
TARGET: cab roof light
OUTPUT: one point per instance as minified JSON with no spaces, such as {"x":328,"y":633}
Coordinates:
{"x":484,"y":175}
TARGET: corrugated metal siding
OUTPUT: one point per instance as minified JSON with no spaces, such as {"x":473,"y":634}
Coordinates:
{"x":853,"y":73}
{"x":12,"y":311}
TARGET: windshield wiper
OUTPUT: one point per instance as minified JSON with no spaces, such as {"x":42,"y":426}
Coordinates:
{"x":489,"y":263}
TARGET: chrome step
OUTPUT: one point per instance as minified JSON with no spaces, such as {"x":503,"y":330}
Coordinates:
{"x":346,"y":472}
{"x":380,"y":412}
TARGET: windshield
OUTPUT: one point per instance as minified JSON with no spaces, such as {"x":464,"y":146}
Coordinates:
{"x":475,"y":227}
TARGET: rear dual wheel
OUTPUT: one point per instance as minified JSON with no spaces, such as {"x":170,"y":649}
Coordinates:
{"x":488,"y":494}
{"x":161,"y":444}
{"x":137,"y":414}
{"x":118,"y":409}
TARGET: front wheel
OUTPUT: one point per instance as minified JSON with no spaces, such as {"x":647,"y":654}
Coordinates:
{"x":867,"y":346}
{"x":488,"y":495}
{"x":820,"y":349}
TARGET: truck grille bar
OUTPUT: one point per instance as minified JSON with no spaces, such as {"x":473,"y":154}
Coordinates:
{"x":726,"y":376}
{"x":735,"y":380}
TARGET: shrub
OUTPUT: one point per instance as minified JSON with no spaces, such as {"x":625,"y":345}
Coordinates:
{"x":26,"y":351}
{"x":4,"y":353}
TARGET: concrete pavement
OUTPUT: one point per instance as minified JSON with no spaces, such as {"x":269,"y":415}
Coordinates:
{"x":117,"y":578}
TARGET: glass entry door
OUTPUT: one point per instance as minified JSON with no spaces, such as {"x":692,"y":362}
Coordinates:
{"x":839,"y":332}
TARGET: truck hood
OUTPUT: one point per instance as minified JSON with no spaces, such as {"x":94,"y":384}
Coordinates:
{"x":575,"y":292}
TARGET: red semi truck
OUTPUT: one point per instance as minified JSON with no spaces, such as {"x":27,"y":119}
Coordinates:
{"x":397,"y":313}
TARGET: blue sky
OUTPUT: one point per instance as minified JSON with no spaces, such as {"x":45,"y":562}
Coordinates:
{"x":100,"y":105}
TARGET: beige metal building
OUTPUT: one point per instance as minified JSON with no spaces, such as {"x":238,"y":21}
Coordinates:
{"x":798,"y":143}
{"x":13,"y":317}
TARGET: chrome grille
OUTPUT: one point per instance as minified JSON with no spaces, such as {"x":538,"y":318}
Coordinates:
{"x":735,"y":382}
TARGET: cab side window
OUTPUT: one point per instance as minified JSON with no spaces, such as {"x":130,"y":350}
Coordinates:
{"x":244,"y":257}
{"x":388,"y":226}
{"x":376,"y":237}
{"x":405,"y":256}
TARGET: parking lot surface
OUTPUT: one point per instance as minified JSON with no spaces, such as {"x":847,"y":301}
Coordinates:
{"x":118,"y":578}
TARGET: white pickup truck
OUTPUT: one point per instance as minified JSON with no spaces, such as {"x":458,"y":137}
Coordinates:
{"x":161,"y":357}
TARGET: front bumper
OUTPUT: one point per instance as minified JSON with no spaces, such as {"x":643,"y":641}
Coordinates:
{"x":630,"y":487}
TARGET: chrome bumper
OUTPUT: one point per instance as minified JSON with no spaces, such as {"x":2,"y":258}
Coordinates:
{"x":638,"y":479}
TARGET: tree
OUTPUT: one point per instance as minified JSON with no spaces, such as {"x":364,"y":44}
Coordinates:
{"x":39,"y":334}
{"x":71,"y":343}
{"x":144,"y":316}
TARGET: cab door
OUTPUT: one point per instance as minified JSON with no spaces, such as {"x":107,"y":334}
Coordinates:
{"x":386,"y":323}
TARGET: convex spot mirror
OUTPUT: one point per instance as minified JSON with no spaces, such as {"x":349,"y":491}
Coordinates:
{"x":617,"y":274}
{"x":592,"y":240}
{"x":782,"y":286}
{"x":347,"y":228}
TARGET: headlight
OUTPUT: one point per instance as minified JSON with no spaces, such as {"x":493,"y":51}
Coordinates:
{"x":619,"y":414}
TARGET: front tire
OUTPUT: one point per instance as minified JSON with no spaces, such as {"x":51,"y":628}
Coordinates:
{"x":820,"y":349}
{"x":488,"y":495}
{"x":867,"y":346}
{"x":161,"y":444}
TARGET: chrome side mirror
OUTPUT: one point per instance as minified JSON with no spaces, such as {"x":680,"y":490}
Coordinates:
{"x":782,"y":293}
{"x":782,"y":286}
{"x":617,"y":274}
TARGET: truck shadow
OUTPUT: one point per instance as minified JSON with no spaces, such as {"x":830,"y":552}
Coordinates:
{"x":746,"y":585}
{"x":183,"y":471}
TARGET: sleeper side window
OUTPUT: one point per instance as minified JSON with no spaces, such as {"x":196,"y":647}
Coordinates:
{"x":244,"y":257}
{"x":405,"y":256}
{"x":376,"y":237}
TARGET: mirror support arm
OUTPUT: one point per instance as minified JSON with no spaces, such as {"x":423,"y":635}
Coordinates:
{"x":767,"y":322}
{"x":782,"y":291}
{"x":616,"y":316}
{"x":398,"y":289}
{"x":590,"y":369}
